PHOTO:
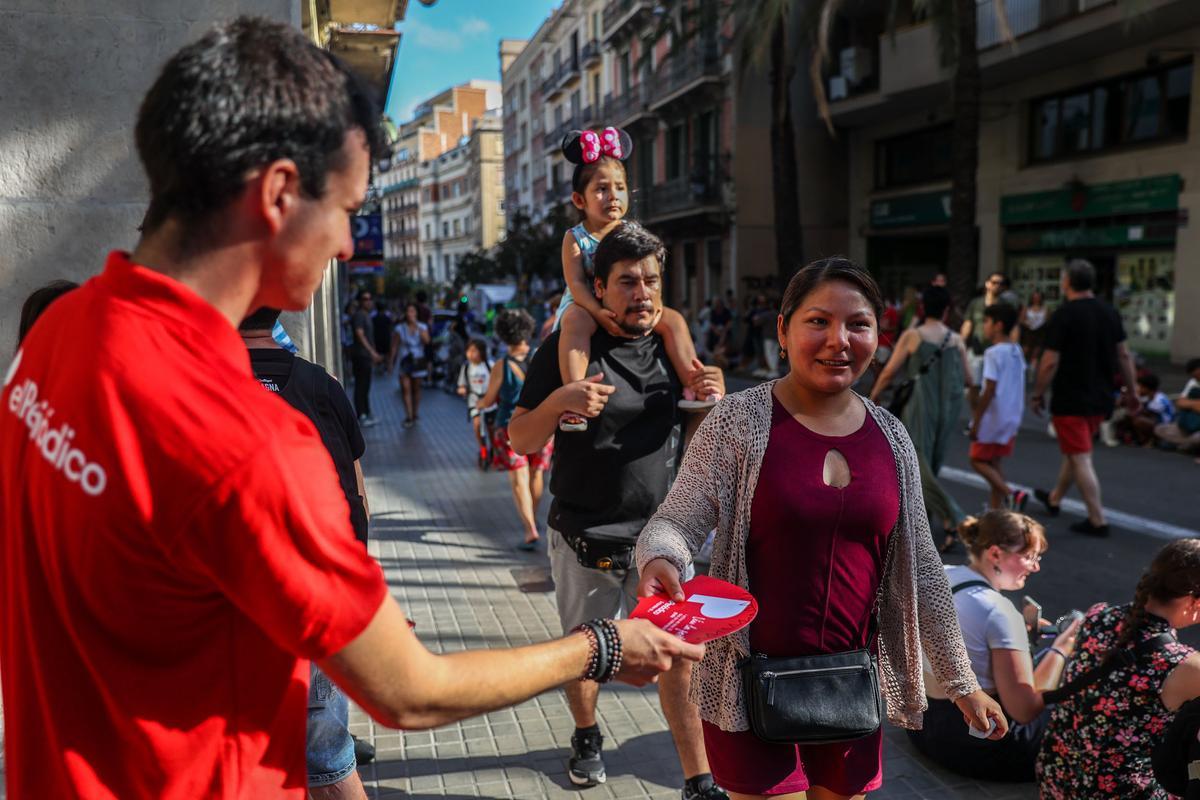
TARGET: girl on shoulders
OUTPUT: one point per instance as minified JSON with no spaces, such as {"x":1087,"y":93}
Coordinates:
{"x":600,"y":191}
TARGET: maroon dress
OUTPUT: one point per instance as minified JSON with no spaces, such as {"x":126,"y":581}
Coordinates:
{"x":815,"y":557}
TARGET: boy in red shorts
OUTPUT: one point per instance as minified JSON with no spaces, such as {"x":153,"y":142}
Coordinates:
{"x":997,"y":414}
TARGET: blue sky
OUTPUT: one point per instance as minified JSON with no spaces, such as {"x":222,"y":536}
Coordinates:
{"x":455,"y":41}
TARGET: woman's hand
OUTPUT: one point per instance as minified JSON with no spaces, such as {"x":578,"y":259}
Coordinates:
{"x":978,"y":709}
{"x":647,"y":651}
{"x":1065,"y":641}
{"x":660,"y":578}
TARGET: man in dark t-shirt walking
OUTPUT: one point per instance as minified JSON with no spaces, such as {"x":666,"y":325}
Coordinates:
{"x":609,"y":479}
{"x":1085,"y":348}
{"x":363,"y":357}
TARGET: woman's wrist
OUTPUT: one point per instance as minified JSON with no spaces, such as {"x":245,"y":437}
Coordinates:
{"x":1056,"y":649}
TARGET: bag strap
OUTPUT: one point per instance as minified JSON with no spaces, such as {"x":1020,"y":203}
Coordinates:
{"x":517,"y":371}
{"x":1126,"y":657}
{"x":927,"y":364}
{"x":958,"y":587}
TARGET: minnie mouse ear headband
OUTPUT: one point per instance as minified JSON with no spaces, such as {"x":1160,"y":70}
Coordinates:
{"x":585,"y":147}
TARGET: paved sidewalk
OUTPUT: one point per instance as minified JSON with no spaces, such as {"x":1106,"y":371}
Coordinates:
{"x":444,"y":532}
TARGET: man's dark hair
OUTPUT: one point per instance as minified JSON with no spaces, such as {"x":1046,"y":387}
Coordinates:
{"x":263,"y":319}
{"x":247,"y":93}
{"x":1192,"y":365}
{"x":363,"y":294}
{"x":422,"y":297}
{"x":1004,"y":283}
{"x":38,"y":301}
{"x":823,"y":270}
{"x":1149,"y":380}
{"x":514,"y":325}
{"x":1003,"y":313}
{"x":1081,"y":275}
{"x":629,"y":241}
{"x":935,"y":300}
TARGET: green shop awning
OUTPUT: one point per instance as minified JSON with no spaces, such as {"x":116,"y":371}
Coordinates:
{"x":1095,"y":237}
{"x":1141,"y":196}
{"x":927,"y":208}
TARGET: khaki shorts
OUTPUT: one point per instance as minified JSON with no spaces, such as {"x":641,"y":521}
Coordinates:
{"x":584,"y":594}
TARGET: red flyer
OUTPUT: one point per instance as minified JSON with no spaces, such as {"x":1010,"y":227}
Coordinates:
{"x":713,"y":608}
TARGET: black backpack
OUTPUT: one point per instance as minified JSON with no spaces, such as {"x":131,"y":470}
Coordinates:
{"x":1173,"y":757}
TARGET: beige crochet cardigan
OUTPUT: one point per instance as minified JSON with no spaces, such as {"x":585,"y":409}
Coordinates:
{"x":715,"y":489}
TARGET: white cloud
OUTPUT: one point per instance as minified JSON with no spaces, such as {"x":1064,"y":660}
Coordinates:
{"x":445,"y":40}
{"x":433,"y":38}
{"x":474,"y":26}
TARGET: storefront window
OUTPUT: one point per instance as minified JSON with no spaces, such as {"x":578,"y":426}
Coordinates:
{"x":1145,"y":296}
{"x":1179,"y":96}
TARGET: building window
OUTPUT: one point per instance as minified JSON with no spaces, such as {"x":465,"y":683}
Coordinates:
{"x":429,"y":265}
{"x":626,"y":66}
{"x":676,"y":151}
{"x":1144,"y":107}
{"x":446,"y":263}
{"x":445,"y":229}
{"x":428,"y":235}
{"x":918,"y":157}
{"x":457,"y":227}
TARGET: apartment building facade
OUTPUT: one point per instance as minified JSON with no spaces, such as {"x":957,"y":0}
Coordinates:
{"x":595,"y":63}
{"x":461,"y":201}
{"x":1087,"y":149}
{"x":440,"y":124}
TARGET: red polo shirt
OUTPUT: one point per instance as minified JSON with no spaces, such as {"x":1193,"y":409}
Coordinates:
{"x":175,"y":543}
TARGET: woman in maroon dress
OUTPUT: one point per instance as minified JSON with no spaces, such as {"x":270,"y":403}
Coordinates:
{"x":807,"y":484}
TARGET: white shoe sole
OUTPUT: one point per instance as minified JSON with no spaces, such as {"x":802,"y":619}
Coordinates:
{"x":586,"y":781}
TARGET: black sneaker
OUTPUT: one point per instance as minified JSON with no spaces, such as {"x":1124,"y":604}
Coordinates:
{"x":1088,"y":529}
{"x":708,"y":791}
{"x":364,"y":752}
{"x":586,"y":767}
{"x":1044,"y":498}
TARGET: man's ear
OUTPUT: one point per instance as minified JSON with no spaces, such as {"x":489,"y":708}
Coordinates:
{"x":599,"y":287}
{"x":278,"y":192}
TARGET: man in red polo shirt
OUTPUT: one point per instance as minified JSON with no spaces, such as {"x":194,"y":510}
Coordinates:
{"x":175,"y":544}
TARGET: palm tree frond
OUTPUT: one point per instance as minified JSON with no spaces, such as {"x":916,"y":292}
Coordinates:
{"x":820,"y":56}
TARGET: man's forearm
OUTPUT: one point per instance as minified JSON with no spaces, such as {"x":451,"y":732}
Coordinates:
{"x":474,"y":682}
{"x":528,"y":431}
{"x":1046,"y":370}
{"x":1128,"y":370}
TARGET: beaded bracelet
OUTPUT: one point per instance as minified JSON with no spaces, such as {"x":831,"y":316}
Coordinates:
{"x":613,"y":640}
{"x":599,"y":660}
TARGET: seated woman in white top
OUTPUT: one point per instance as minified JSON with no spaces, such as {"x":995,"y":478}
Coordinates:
{"x":1004,"y":548}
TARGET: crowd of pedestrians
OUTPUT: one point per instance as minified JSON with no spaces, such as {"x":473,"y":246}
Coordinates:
{"x":188,"y":608}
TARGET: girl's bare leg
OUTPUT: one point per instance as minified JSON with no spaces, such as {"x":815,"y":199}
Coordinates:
{"x":575,"y":343}
{"x":677,"y":340}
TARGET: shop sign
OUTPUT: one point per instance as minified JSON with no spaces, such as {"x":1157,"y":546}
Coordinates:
{"x":365,"y":267}
{"x":1142,"y":196}
{"x":929,"y":208}
{"x":368,"y":235}
{"x":1079,"y":238}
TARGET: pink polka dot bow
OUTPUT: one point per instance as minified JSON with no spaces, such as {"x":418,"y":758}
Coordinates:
{"x":607,"y":142}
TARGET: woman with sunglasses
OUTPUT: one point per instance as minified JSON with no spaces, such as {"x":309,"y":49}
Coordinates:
{"x":1004,"y":548}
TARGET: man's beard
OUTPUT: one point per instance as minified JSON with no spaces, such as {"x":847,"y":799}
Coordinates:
{"x":637,"y":327}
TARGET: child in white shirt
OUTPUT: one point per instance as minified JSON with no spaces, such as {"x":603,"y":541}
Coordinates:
{"x":472,"y":384}
{"x":997,"y":414}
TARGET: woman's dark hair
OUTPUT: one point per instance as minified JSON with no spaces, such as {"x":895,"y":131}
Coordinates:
{"x":514,"y":326}
{"x":1150,"y":381}
{"x":1010,"y":531}
{"x":834,"y":268}
{"x":629,"y":241}
{"x":246,"y":93}
{"x":38,"y":301}
{"x":935,"y":300}
{"x":1174,"y":573}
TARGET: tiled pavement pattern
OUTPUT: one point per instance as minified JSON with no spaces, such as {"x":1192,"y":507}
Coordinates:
{"x":444,"y":532}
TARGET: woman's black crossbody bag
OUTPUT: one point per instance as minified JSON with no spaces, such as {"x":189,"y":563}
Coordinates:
{"x":821,"y":699}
